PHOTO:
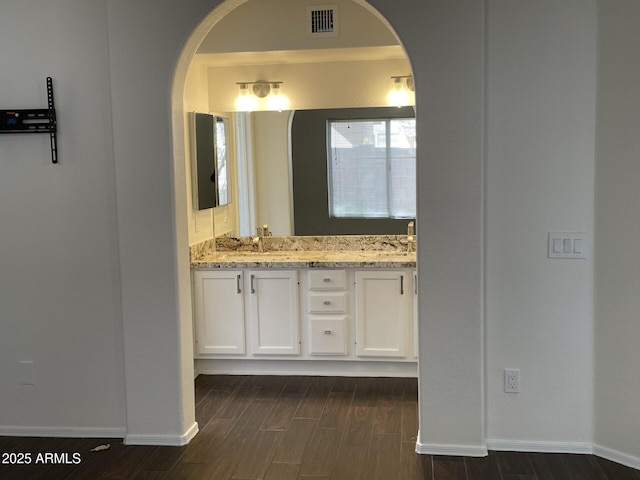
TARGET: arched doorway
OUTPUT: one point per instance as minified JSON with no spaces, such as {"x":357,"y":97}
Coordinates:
{"x":181,"y":77}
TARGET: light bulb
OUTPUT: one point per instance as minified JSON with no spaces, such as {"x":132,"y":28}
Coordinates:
{"x":398,"y":96}
{"x":277,"y":101}
{"x":245,"y":101}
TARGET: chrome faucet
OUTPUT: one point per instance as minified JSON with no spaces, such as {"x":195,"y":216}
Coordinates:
{"x":411,"y":237}
{"x":258,"y":240}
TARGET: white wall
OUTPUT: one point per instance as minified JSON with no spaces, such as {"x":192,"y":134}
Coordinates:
{"x":222,"y":219}
{"x":145,"y":43}
{"x":196,"y":99}
{"x":541,"y":86}
{"x":59,"y":266}
{"x":444,"y":42}
{"x":617,"y":302}
{"x":309,"y":86}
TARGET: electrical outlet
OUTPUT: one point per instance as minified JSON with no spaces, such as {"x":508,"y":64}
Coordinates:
{"x":511,"y":380}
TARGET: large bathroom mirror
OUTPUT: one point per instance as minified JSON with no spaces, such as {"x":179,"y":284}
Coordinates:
{"x":210,"y":140}
{"x":296,"y":186}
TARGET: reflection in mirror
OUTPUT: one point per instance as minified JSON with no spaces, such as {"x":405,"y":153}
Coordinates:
{"x":290,"y":158}
{"x":353,"y":170}
{"x":222,"y":141}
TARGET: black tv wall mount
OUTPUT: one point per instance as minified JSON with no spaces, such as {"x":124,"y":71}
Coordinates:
{"x":40,"y":120}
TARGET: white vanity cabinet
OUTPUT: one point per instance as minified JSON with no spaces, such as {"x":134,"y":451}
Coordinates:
{"x":382,"y":315}
{"x":320,"y":321}
{"x":219,"y":312}
{"x":270,"y":300}
{"x":274,"y":318}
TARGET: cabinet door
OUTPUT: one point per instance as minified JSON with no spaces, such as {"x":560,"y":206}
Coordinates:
{"x":219,"y":312}
{"x":274,"y":312}
{"x":382,"y":313}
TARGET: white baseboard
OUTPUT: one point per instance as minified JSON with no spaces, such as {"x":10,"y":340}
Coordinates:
{"x":617,"y":457}
{"x":538,"y":447}
{"x":450,"y":449}
{"x":306,"y":367}
{"x":86,"y":432}
{"x":529,"y":446}
{"x":508,"y":446}
{"x":62,"y":432}
{"x":163,"y":440}
{"x":455,"y":450}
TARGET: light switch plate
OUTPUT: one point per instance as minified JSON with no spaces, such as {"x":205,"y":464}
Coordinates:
{"x":567,"y":245}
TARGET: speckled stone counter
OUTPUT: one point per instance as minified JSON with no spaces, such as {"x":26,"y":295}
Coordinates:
{"x":352,"y":251}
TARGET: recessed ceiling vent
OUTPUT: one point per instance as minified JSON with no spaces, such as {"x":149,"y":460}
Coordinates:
{"x":322,"y":21}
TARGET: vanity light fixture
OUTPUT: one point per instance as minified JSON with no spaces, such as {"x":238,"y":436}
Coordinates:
{"x":401,"y":92}
{"x":263,"y":95}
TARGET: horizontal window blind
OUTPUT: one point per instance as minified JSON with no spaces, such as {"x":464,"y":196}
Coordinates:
{"x":372,"y":168}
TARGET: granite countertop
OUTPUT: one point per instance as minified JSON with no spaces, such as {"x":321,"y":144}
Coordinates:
{"x":306,"y":259}
{"x":388,"y":251}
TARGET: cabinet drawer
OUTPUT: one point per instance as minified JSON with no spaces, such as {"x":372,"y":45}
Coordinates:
{"x":328,"y":302}
{"x":327,"y":279}
{"x":327,"y":335}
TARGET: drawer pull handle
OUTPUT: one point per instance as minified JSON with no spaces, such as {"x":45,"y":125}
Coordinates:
{"x":327,"y":302}
{"x":327,"y":332}
{"x":326,"y":280}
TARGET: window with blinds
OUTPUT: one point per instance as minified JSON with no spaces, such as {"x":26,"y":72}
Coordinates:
{"x":372,"y":167}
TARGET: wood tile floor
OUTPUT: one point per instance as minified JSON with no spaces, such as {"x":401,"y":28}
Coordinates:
{"x":304,"y":428}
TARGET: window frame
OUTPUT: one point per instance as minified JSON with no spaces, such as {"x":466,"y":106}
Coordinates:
{"x":310,"y":203}
{"x":388,"y":164}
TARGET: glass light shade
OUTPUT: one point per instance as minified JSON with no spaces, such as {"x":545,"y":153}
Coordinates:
{"x":398,"y":96}
{"x":245,"y":101}
{"x":276,"y":100}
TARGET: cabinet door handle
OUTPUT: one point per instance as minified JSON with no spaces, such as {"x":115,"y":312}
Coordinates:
{"x":253,"y":288}
{"x":415,"y":283}
{"x":327,"y":302}
{"x":238,"y":283}
{"x":401,"y":284}
{"x":327,"y":332}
